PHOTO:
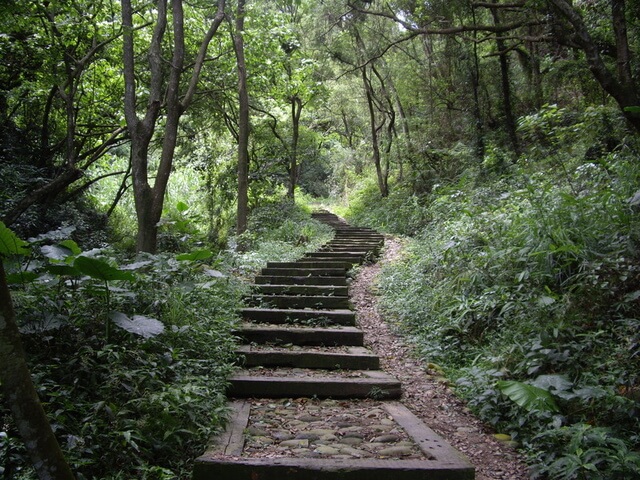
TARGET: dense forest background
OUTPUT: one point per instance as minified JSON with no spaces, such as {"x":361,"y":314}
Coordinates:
{"x":155,"y":154}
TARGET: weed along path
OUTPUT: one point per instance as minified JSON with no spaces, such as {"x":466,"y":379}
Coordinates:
{"x":316,"y":398}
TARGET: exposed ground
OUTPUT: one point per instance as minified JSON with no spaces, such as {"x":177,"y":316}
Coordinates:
{"x":424,"y":392}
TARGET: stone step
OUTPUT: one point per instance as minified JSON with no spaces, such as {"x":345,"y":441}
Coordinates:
{"x":224,"y":460}
{"x":312,"y":336}
{"x":343,"y":358}
{"x":358,"y":250}
{"x":311,"y":263}
{"x":282,"y":383}
{"x":294,"y":315}
{"x":304,"y":272}
{"x":317,"y":302}
{"x":342,"y":256}
{"x":328,"y":290}
{"x":356,"y":233}
{"x":339,"y":281}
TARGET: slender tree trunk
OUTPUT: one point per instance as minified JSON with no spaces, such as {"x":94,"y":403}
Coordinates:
{"x":475,"y":85}
{"x":296,"y":111}
{"x":243,"y":123}
{"x":375,"y":142}
{"x":21,"y":396}
{"x":510,"y":122}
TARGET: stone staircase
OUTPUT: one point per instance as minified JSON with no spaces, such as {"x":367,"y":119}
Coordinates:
{"x":300,"y":339}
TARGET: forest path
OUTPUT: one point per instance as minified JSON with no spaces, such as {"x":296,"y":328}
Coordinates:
{"x":311,"y":402}
{"x":425,"y":392}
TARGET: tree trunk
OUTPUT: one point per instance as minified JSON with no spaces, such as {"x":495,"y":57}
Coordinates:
{"x":619,"y":85}
{"x":375,"y":142}
{"x":149,"y":200}
{"x":243,"y":123}
{"x":22,"y":398}
{"x":296,"y":111}
{"x":509,"y":119}
{"x":475,"y":85}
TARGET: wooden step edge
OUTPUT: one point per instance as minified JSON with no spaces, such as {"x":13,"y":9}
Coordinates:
{"x":354,"y":358}
{"x":370,"y":384}
{"x":279,"y":334}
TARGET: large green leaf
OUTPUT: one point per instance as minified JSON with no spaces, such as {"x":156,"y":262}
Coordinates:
{"x":101,"y":270}
{"x":146,"y":327}
{"x":10,"y":244}
{"x":528,"y":396}
{"x":63,"y":270}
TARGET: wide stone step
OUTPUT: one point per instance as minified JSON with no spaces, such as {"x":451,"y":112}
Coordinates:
{"x":341,"y":256}
{"x":312,"y":263}
{"x":339,"y":281}
{"x":281,"y":383}
{"x":312,"y":336}
{"x":357,"y":249}
{"x":304,"y":272}
{"x":328,"y":290}
{"x":299,"y":301}
{"x":224,"y":460}
{"x":294,"y":315}
{"x":342,"y":358}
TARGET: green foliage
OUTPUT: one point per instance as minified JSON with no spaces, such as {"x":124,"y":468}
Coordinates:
{"x":280,"y":230}
{"x":528,"y":396}
{"x":10,"y":244}
{"x":147,"y":398}
{"x":401,"y":212}
{"x":143,"y":401}
{"x":525,"y":287}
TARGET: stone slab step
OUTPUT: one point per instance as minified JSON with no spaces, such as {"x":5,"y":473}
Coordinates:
{"x":360,"y":384}
{"x":358,"y":250}
{"x":348,"y":358}
{"x":304,"y":272}
{"x":342,"y":256}
{"x":317,"y":302}
{"x":311,"y":263}
{"x":343,"y":233}
{"x":340,"y":281}
{"x":292,"y":315}
{"x":224,"y":459}
{"x":330,"y":290}
{"x":316,"y":336}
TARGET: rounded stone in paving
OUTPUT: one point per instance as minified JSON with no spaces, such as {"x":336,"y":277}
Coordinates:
{"x":374,"y":413}
{"x":321,"y":431}
{"x":355,"y":452}
{"x":386,"y":439}
{"x":382,"y":428}
{"x":308,"y":418}
{"x":395,"y":451}
{"x":351,"y":441}
{"x":262,"y":440}
{"x":326,"y":450}
{"x":295,"y":443}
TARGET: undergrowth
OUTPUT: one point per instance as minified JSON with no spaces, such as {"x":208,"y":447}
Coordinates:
{"x":523,"y":282}
{"x":131,"y":356}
